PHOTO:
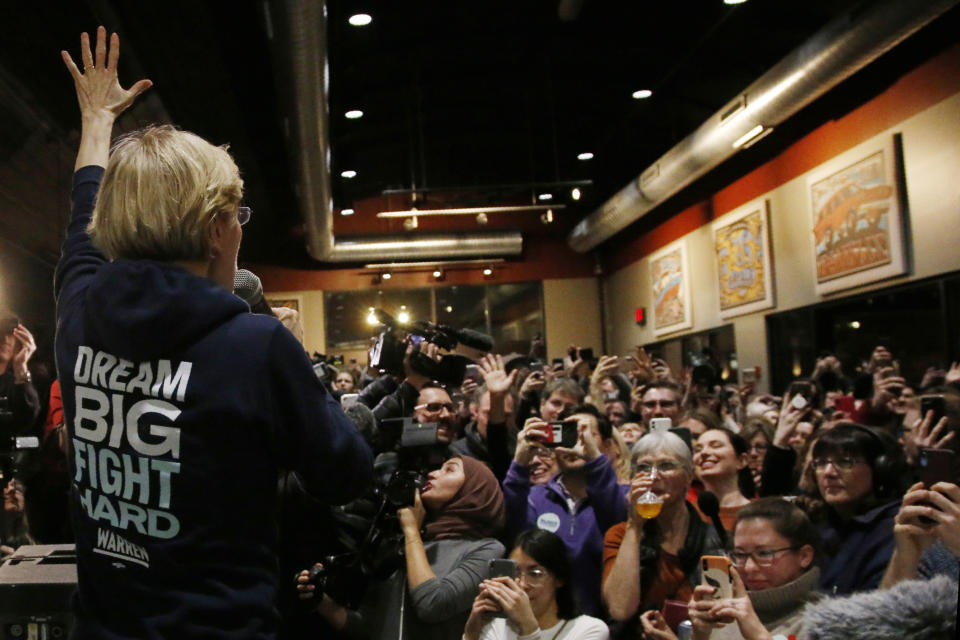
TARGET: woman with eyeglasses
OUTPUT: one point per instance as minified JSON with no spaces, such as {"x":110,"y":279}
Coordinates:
{"x":648,"y":561}
{"x":459,"y":511}
{"x":855,"y":480}
{"x":774,"y":548}
{"x":539,"y":603}
{"x":720,"y":459}
{"x":758,"y":434}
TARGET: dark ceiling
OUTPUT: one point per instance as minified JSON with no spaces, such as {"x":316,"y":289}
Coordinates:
{"x":459,"y":98}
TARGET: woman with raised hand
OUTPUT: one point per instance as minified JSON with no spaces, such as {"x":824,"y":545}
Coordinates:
{"x":536,"y":605}
{"x":182,"y":407}
{"x":459,"y":511}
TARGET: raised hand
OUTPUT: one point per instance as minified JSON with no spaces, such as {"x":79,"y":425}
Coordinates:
{"x":495,"y":376}
{"x":27,"y":348}
{"x":655,"y":627}
{"x":926,"y":437}
{"x":98,"y":88}
{"x":953,"y":374}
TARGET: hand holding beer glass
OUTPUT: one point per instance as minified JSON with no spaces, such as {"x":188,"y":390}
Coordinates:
{"x":646,"y":503}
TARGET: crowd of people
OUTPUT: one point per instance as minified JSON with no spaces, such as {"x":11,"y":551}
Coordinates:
{"x":525,"y":499}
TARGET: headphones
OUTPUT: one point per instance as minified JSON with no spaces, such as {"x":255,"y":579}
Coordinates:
{"x":885,"y":467}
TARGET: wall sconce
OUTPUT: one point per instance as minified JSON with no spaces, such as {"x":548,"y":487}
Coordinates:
{"x":439,"y":275}
{"x":487,"y":273}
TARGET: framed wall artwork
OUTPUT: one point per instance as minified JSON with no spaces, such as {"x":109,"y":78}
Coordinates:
{"x":670,"y":287}
{"x":741,"y":241}
{"x":290,"y":302}
{"x":858,"y":216}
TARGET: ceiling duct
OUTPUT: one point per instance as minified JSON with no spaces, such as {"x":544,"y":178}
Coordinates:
{"x":840,"y":49}
{"x":307,"y":43}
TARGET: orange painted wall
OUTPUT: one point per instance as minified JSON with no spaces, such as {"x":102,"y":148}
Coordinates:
{"x":916,"y":91}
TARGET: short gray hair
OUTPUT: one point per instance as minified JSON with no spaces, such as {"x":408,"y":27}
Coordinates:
{"x":664,"y":442}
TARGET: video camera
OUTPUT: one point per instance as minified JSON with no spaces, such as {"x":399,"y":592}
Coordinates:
{"x":416,"y":451}
{"x":391,"y":348}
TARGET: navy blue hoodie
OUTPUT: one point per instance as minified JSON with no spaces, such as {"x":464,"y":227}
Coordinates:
{"x":182,"y":407}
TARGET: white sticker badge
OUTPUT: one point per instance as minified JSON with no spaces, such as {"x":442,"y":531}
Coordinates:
{"x":548,"y":522}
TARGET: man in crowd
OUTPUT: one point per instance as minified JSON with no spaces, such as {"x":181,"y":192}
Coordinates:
{"x":487,"y":436}
{"x":579,"y":504}
{"x":659,"y":400}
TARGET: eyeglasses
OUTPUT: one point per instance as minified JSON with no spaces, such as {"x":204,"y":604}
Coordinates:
{"x":436,"y":407}
{"x":758,"y":447}
{"x":667,"y":466}
{"x":763,"y":557}
{"x":541,"y":452}
{"x":243,"y":215}
{"x":534,"y":576}
{"x":840,"y":464}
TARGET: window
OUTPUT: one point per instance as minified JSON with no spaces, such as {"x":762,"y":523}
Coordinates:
{"x":510,"y":313}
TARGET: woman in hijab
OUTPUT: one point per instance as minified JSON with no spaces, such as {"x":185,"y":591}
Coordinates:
{"x":460,"y":510}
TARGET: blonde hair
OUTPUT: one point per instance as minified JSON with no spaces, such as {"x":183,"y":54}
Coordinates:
{"x":622,"y":465}
{"x":160,"y":193}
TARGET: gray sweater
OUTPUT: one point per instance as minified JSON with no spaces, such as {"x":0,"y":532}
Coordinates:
{"x":437,"y":609}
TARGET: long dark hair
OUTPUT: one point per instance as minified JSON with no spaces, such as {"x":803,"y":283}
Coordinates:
{"x":550,"y":552}
{"x":744,"y":477}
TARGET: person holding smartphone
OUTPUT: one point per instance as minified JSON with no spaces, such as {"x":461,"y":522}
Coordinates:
{"x":536,"y":605}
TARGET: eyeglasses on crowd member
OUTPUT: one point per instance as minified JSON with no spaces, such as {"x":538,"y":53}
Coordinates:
{"x":149,"y":333}
{"x":460,"y":511}
{"x":578,"y":504}
{"x":758,"y":433}
{"x":720,"y":461}
{"x":538,"y":603}
{"x":774,"y":577}
{"x":857,"y":473}
{"x":655,"y":556}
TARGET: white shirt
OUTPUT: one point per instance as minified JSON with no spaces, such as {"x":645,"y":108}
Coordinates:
{"x":579,"y":628}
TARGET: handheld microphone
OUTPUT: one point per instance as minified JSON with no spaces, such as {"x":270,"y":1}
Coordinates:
{"x":710,"y":507}
{"x":247,"y":287}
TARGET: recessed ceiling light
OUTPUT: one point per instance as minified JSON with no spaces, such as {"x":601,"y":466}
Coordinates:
{"x":449,"y":309}
{"x":346,"y":212}
{"x":575,"y":193}
{"x":586,"y":155}
{"x":360,"y":19}
{"x":403,"y":317}
{"x":642,"y":93}
{"x":545,"y":196}
{"x":353,"y":114}
{"x":372,"y":318}
{"x":488,"y":271}
{"x":734,"y":1}
{"x":350,"y":173}
{"x":437,"y":273}
{"x":386,"y":276}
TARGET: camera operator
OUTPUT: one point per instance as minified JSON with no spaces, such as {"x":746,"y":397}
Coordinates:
{"x":19,"y":403}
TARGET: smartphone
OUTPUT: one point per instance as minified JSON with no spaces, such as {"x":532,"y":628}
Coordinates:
{"x":660,"y":424}
{"x":935,"y":403}
{"x":502,"y":568}
{"x":798,"y":387}
{"x":562,"y":434}
{"x":748,"y":375}
{"x":347,"y":400}
{"x":799,"y":402}
{"x":674,"y":612}
{"x":847,"y":404}
{"x":473,"y":373}
{"x":586,"y":354}
{"x":936,"y":465}
{"x":715,"y":572}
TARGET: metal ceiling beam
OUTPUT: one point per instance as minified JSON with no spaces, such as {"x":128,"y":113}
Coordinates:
{"x":310,"y":147}
{"x":843,"y":47}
